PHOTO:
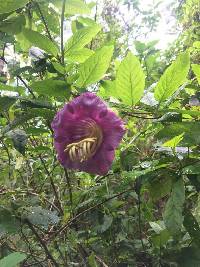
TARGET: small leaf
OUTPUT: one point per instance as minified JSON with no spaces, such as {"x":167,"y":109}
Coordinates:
{"x":173,"y":216}
{"x":51,"y":87}
{"x":6,"y":102}
{"x":19,"y":138}
{"x":174,"y":141}
{"x":8,"y":223}
{"x":173,"y":77}
{"x":130,"y":80}
{"x":12,"y":260}
{"x":7,"y":6}
{"x":95,"y":66}
{"x":41,"y":41}
{"x":196,"y":70}
{"x":13,"y":25}
{"x":74,"y":7}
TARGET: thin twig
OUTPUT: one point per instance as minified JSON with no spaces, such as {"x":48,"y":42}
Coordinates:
{"x":69,"y":186}
{"x":62,"y":33}
{"x":70,"y":222}
{"x":44,"y":21}
{"x":42,"y":243}
{"x":26,"y":85}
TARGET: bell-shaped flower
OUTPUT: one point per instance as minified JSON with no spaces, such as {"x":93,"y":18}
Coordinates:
{"x":86,"y":134}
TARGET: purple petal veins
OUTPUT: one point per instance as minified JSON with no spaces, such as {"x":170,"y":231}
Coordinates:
{"x":86,"y":134}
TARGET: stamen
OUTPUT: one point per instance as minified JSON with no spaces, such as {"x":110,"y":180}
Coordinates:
{"x":86,"y":148}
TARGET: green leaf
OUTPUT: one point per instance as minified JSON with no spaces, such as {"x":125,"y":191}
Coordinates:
{"x":6,"y":87}
{"x":173,"y":77}
{"x":130,"y":80}
{"x":58,"y":67}
{"x":6,"y":102}
{"x":41,"y":41}
{"x":13,"y":25}
{"x":190,"y":129}
{"x":95,"y":66}
{"x":173,"y":216}
{"x":189,"y":257}
{"x":51,"y":88}
{"x":74,"y":7}
{"x":8,"y":223}
{"x":107,"y":89}
{"x":174,"y":141}
{"x":80,"y":56}
{"x":40,"y":216}
{"x":7,"y":6}
{"x":196,"y":70}
{"x":19,"y":138}
{"x":91,"y":260}
{"x":192,"y":226}
{"x":81,"y":38}
{"x":12,"y":260}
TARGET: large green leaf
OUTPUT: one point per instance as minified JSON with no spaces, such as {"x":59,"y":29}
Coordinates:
{"x":81,"y":38}
{"x":95,"y":66}
{"x":74,"y":7}
{"x":7,"y":6}
{"x":50,"y":87}
{"x":41,"y":41}
{"x":173,"y":216}
{"x":12,"y":260}
{"x":173,"y":77}
{"x":190,"y":129}
{"x":130,"y":80}
{"x":6,"y":87}
{"x":196,"y":70}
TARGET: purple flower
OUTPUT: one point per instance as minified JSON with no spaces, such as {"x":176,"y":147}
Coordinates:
{"x":86,"y":134}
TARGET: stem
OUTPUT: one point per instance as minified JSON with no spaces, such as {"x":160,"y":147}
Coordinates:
{"x":62,"y":33}
{"x":69,"y":187}
{"x":70,"y":222}
{"x":139,"y":220}
{"x":44,"y":21}
{"x":42,"y":243}
{"x":25,"y":84}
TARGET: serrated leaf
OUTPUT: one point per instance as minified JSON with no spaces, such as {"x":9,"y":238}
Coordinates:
{"x":130,"y":80}
{"x":74,"y":7}
{"x":95,"y":66}
{"x":41,"y":41}
{"x":81,"y":38}
{"x":174,"y":76}
{"x":51,"y":87}
{"x":13,"y":259}
{"x":7,"y":6}
{"x":173,"y":216}
{"x":196,"y":70}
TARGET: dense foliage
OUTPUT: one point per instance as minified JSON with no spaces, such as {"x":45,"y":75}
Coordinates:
{"x":146,"y":210}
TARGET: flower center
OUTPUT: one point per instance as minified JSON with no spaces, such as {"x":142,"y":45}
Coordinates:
{"x":85,"y":148}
